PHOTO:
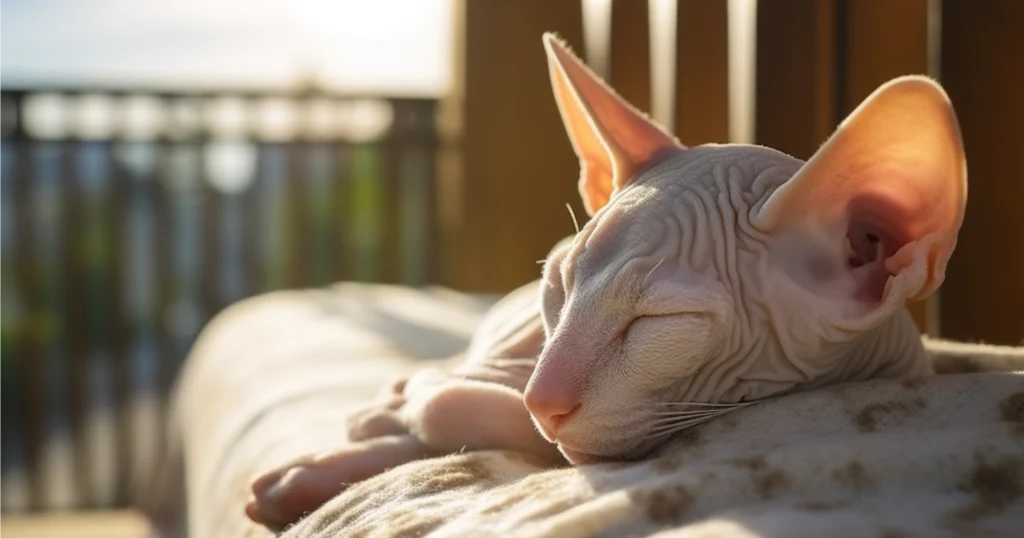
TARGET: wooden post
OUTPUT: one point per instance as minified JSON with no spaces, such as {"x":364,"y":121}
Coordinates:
{"x":631,"y":52}
{"x":507,"y":169}
{"x":796,"y":66}
{"x":982,"y":46}
{"x":702,"y":72}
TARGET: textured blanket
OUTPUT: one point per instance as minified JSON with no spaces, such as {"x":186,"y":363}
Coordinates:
{"x":274,"y":377}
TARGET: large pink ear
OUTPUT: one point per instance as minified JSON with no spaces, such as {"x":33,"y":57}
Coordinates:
{"x":873,"y":217}
{"x":612,"y":139}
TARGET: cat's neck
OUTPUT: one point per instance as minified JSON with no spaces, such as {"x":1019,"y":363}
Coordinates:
{"x":893,"y":349}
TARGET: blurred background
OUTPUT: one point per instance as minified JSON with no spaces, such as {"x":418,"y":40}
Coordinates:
{"x":164,"y":159}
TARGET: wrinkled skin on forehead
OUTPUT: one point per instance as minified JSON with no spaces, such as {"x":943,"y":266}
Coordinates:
{"x":707,"y":278}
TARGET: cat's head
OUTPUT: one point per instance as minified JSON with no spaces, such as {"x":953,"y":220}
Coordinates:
{"x":728,"y":273}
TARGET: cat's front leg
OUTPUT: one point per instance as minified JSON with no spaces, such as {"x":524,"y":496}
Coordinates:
{"x":473,"y":404}
{"x":436,"y":413}
{"x":284,"y":495}
{"x":463,"y":413}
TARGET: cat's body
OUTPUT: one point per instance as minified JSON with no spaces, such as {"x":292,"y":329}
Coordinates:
{"x":706,"y":277}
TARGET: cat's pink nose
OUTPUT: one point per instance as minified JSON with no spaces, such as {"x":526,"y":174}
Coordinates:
{"x":550,"y":404}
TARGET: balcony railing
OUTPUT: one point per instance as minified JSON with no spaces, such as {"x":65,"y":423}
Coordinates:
{"x":130,"y":217}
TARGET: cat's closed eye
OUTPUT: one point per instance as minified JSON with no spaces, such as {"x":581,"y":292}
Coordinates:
{"x":646,"y":319}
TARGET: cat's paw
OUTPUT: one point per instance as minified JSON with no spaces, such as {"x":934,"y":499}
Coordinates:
{"x":467,"y":414}
{"x":387,"y":414}
{"x":430,"y":415}
{"x":379,"y":419}
{"x":286,"y":494}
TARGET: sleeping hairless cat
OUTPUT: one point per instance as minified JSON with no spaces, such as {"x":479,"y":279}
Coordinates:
{"x":707,"y":279}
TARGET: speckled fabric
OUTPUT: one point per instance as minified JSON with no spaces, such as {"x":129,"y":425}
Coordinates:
{"x":272,"y":379}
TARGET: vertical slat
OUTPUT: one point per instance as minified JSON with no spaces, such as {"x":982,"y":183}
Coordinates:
{"x":49,"y":263}
{"x":884,"y":40}
{"x":982,"y":47}
{"x":413,"y":152}
{"x":77,"y":352}
{"x":249,"y":200}
{"x":390,"y":215}
{"x":297,"y":237}
{"x":319,"y":196}
{"x":231,"y":277}
{"x":254,"y":221}
{"x":163,"y":279}
{"x":211,"y":201}
{"x":14,"y":485}
{"x":415,"y":239}
{"x":102,"y":311}
{"x":516,"y":168}
{"x":796,"y":67}
{"x":366,"y":213}
{"x":188,"y":220}
{"x":702,"y":72}
{"x":122,"y":326}
{"x":275,"y":227}
{"x":251,"y":226}
{"x":630,"y":52}
{"x":340,"y":239}
{"x":426,"y":140}
{"x":29,"y":360}
{"x":433,"y":152}
{"x":147,"y":353}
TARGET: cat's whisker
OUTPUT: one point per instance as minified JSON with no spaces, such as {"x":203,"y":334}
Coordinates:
{"x":689,"y":421}
{"x":670,"y":422}
{"x":666,"y":429}
{"x":653,"y":269}
{"x":667,"y":433}
{"x":674,"y":427}
{"x":688,"y":416}
{"x":686,"y":420}
{"x":704,"y":404}
{"x":572,"y":214}
{"x":685,"y":413}
{"x":677,"y":420}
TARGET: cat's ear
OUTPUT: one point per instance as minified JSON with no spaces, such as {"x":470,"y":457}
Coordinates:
{"x":872,"y":218}
{"x":612,"y":139}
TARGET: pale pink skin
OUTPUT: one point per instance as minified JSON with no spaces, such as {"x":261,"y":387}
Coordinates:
{"x":712,"y":274}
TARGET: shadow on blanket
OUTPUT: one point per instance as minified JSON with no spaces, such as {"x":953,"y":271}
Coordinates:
{"x":272,"y":379}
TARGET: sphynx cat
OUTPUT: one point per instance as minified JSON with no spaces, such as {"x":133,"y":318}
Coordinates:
{"x":708,"y":278}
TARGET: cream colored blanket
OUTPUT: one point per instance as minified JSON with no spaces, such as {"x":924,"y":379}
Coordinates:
{"x":274,"y":377}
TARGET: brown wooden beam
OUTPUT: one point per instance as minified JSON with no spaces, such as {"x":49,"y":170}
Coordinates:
{"x":702,"y":72}
{"x":796,"y":68}
{"x":982,"y":47}
{"x":631,"y":52}
{"x":508,"y":169}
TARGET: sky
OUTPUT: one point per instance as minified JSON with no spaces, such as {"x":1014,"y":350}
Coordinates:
{"x":401,"y":46}
{"x":396,"y":47}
